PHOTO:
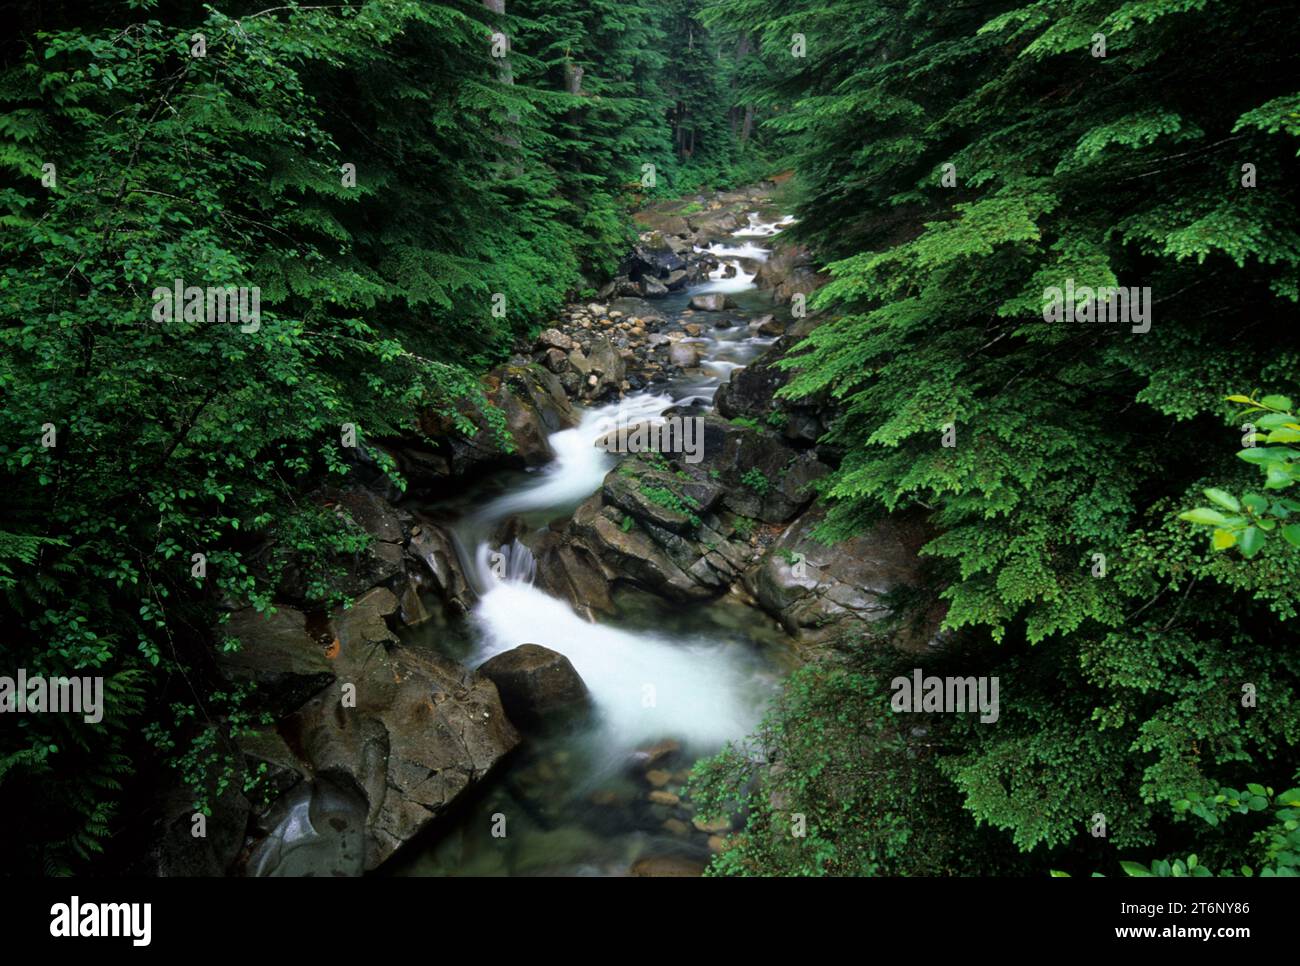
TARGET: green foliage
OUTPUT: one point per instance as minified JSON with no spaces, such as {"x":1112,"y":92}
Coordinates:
{"x":832,"y":785}
{"x":756,"y":481}
{"x":130,"y":164}
{"x":1122,"y":647}
{"x":677,"y":502}
{"x":1250,"y":519}
{"x":1277,"y":845}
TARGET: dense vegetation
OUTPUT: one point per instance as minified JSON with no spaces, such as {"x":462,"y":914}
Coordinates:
{"x":408,"y":204}
{"x":958,"y":161}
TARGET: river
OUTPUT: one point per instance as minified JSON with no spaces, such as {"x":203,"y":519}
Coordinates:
{"x":669,"y":682}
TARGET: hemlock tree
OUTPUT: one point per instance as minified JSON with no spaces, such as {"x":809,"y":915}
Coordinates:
{"x":957,"y":163}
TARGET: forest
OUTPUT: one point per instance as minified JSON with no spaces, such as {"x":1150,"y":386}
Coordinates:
{"x":988,"y":311}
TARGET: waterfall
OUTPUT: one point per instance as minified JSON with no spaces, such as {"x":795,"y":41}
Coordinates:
{"x":645,"y":686}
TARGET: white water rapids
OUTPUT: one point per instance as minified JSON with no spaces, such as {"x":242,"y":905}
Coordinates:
{"x":698,"y":688}
{"x":645,"y":686}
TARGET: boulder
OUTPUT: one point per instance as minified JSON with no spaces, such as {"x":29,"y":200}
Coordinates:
{"x":431,"y":546}
{"x":684,"y":354}
{"x":751,"y":393}
{"x":789,"y":270}
{"x":654,"y":258}
{"x":604,"y":362}
{"x":762,"y":478}
{"x":555,"y":339}
{"x":407,"y":731}
{"x":652,"y":288}
{"x":572,"y":572}
{"x":818,"y":591}
{"x":668,"y":866}
{"x":709,"y":302}
{"x":534,"y":405}
{"x":277,"y":652}
{"x":535,"y":683}
{"x":317,"y":829}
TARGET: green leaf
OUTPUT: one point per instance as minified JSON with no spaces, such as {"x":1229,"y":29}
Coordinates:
{"x":1136,"y":869}
{"x":1277,"y":478}
{"x":1277,"y":402}
{"x":1223,"y":498}
{"x":1291,"y":534}
{"x":1251,"y":542}
{"x":1255,"y":503}
{"x":1204,"y":515}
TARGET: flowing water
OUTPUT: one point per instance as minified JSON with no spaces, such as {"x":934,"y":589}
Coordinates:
{"x":669,"y":683}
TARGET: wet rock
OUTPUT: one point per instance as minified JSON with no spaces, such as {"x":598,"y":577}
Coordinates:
{"x":788,"y":271}
{"x":572,"y":572}
{"x":287,"y":662}
{"x":631,"y":553}
{"x":761,"y":477}
{"x":411,"y":607}
{"x":267,"y":754}
{"x":535,"y":683}
{"x":556,"y":360}
{"x":369,"y":512}
{"x":607,"y":366}
{"x":316,"y":830}
{"x":534,"y":404}
{"x":555,"y":339}
{"x":432,"y":550}
{"x":684,"y":354}
{"x":660,"y":496}
{"x":709,"y":302}
{"x":652,"y":288}
{"x":659,"y":751}
{"x":767,"y":325}
{"x":654,"y":258}
{"x":819,"y":592}
{"x":667,"y":866}
{"x":410,"y":731}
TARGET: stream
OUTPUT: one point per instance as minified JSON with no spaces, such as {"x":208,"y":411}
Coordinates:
{"x":669,"y":682}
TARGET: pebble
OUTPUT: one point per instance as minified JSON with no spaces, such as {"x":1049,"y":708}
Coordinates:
{"x":722,"y":825}
{"x":658,"y":777}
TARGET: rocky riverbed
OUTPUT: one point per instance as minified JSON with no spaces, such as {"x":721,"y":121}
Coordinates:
{"x":700,"y":579}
